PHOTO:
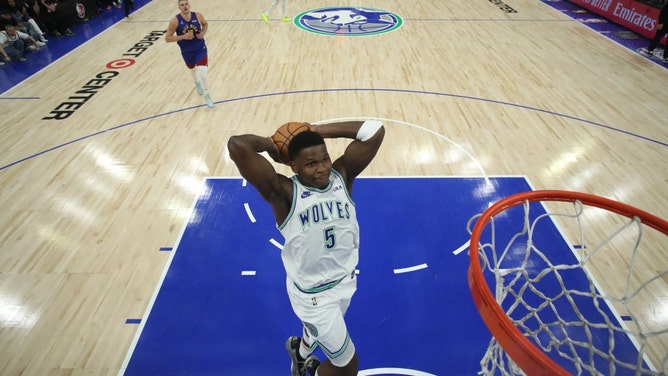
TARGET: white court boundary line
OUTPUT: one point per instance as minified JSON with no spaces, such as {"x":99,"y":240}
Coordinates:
{"x":151,"y":302}
{"x":410,"y":268}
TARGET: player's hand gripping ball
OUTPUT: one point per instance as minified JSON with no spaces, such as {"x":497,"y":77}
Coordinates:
{"x":284,"y":134}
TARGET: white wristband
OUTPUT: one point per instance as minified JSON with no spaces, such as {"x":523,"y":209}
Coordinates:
{"x":368,"y":129}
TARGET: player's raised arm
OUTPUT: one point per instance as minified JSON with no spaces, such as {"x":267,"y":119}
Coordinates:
{"x":275,"y":188}
{"x":368,"y":136}
{"x":245,"y":152}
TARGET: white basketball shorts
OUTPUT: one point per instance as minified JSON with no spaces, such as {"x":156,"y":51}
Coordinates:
{"x":322,"y":314}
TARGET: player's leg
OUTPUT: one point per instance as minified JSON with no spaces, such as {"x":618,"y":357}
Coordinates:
{"x":194,"y":74}
{"x":265,"y":15}
{"x":285,"y":11}
{"x":340,"y":350}
{"x":329,"y":331}
{"x":300,"y":350}
{"x":271,"y":6}
{"x":191,"y":61}
{"x":203,"y":78}
{"x":329,"y":369}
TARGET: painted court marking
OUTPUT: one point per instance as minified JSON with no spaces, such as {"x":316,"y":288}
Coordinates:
{"x":410,"y":268}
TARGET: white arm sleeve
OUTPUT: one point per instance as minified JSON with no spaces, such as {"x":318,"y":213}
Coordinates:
{"x":368,"y":129}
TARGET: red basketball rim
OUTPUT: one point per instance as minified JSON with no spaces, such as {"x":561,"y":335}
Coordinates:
{"x":521,"y":350}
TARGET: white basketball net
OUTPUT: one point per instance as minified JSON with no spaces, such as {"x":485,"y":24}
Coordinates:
{"x":631,"y":301}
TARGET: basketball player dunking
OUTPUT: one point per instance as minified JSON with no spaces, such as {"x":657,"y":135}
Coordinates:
{"x":316,"y":216}
{"x":187,"y":29}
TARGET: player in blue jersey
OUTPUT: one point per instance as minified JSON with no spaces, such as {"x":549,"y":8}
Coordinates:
{"x":188,"y":29}
{"x":316,"y":215}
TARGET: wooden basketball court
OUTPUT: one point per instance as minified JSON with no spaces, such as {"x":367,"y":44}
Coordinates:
{"x":103,"y":157}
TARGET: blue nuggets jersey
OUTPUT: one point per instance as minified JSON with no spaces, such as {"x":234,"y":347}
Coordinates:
{"x":321,"y":235}
{"x":192,"y":26}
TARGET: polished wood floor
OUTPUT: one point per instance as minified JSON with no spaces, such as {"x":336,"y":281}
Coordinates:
{"x":465,"y":89}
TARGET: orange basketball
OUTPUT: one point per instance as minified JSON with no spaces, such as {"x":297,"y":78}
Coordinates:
{"x":284,"y":134}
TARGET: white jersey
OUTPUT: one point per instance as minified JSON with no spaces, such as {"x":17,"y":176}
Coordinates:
{"x":321,"y":235}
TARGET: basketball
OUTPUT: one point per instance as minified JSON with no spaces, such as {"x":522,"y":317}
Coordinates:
{"x":284,"y":134}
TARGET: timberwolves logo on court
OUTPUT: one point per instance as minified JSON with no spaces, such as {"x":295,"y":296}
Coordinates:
{"x":352,"y":21}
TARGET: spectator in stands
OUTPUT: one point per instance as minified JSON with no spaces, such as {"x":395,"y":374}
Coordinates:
{"x":6,"y":15}
{"x":5,"y":19}
{"x":661,"y":31}
{"x":128,"y":5}
{"x":18,"y":9}
{"x":109,"y":3}
{"x":56,"y":22}
{"x":13,"y":44}
{"x":32,"y":7}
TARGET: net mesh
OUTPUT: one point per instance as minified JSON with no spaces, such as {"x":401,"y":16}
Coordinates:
{"x":584,"y":295}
